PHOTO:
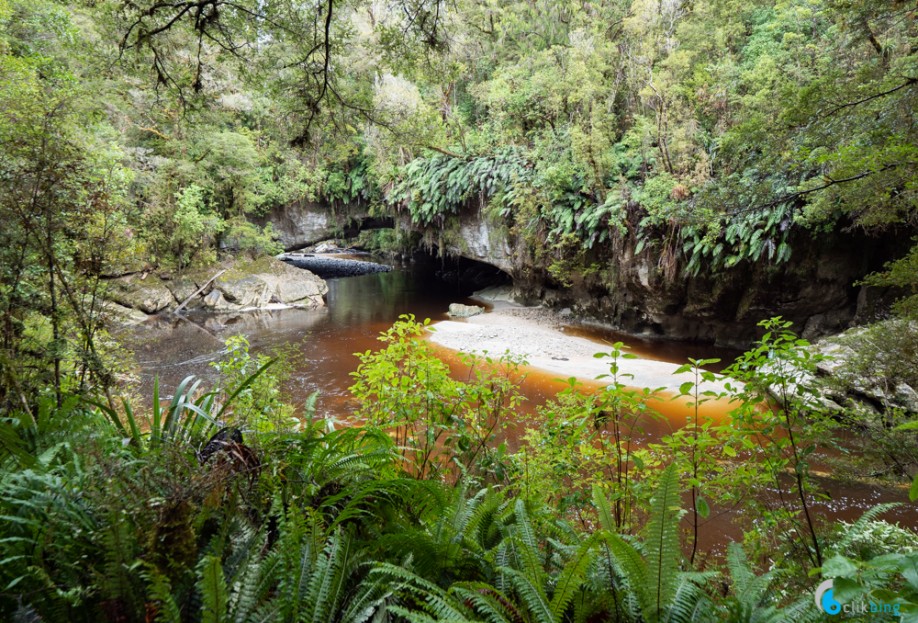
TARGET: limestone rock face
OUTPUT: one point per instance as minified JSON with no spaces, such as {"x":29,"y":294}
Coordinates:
{"x":645,"y":290}
{"x":862,"y":368}
{"x":302,"y":223}
{"x":148,"y":295}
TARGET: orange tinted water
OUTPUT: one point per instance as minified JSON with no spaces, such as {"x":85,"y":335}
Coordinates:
{"x":321,"y":345}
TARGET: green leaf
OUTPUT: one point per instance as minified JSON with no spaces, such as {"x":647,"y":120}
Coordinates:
{"x":603,"y":509}
{"x":212,"y":587}
{"x":701,"y":505}
{"x":839,"y":567}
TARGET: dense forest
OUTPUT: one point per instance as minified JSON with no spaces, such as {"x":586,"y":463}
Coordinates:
{"x":154,"y":136}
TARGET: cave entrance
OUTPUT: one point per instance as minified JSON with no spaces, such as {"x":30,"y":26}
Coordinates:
{"x":466,"y":275}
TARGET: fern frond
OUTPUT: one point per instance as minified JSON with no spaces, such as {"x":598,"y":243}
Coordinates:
{"x":662,"y":539}
{"x":328,"y":579}
{"x":688,"y":600}
{"x":632,"y":569}
{"x":858,"y":527}
{"x":159,"y":592}
{"x":571,"y":578}
{"x":603,"y":509}
{"x":487,"y":602}
{"x":481,"y":530}
{"x":436,"y":601}
{"x":212,"y":588}
{"x":369,"y":600}
{"x":532,"y":595}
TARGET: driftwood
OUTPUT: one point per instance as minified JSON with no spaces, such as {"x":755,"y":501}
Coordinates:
{"x":197,"y":292}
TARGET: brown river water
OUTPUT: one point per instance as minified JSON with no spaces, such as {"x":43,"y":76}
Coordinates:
{"x":320,"y":345}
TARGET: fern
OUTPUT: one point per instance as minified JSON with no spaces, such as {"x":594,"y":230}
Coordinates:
{"x":752,"y":598}
{"x":431,"y":188}
{"x":328,"y":577}
{"x":858,"y":527}
{"x":603,"y":509}
{"x":118,"y":552}
{"x":487,"y":601}
{"x":433,"y":599}
{"x":212,"y":588}
{"x":159,"y":593}
{"x":657,"y":589}
{"x":571,"y":578}
{"x":532,"y":595}
{"x":662,"y":538}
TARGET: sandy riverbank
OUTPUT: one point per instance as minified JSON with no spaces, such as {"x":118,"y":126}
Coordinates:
{"x":535,"y":334}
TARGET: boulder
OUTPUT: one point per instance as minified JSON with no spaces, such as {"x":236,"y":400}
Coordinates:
{"x":458,"y":310}
{"x":290,"y":284}
{"x":214,"y":301}
{"x":148,"y":295}
{"x":182,"y":288}
{"x":249,"y":291}
{"x":327,"y":247}
{"x":123,"y":315}
{"x":267,"y":280}
{"x":868,"y":368}
{"x":905,"y":396}
{"x":497,"y":294}
{"x":243,"y":285}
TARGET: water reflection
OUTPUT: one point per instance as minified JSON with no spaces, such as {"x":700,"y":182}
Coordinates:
{"x":319,"y":343}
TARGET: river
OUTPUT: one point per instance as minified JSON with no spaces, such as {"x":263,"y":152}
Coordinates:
{"x":320,"y":344}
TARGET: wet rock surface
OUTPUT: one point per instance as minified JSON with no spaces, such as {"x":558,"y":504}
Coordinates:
{"x":331,"y":266}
